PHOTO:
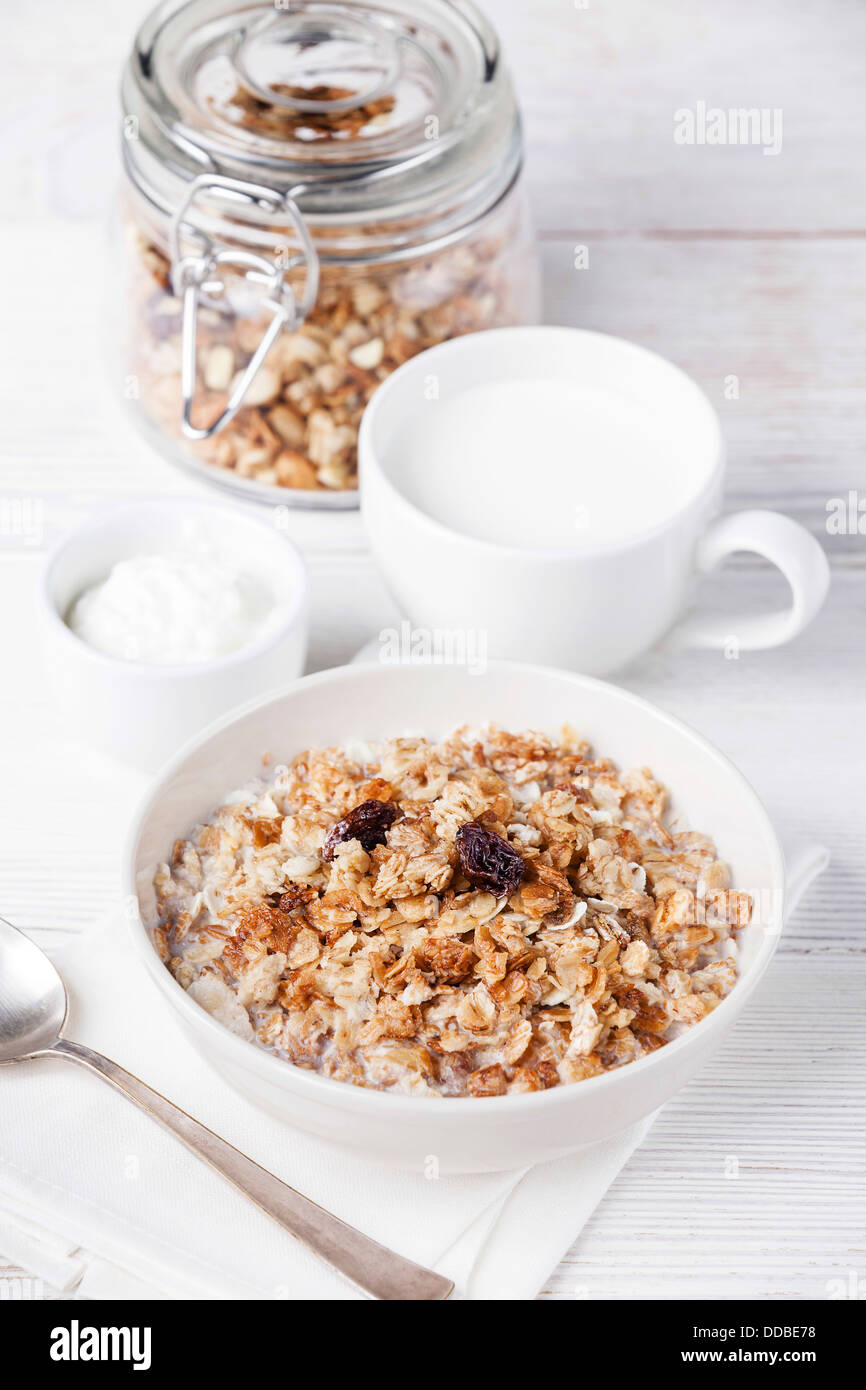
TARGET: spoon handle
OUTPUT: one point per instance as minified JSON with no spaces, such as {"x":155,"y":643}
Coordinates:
{"x":366,"y":1264}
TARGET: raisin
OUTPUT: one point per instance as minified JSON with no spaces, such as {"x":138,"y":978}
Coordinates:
{"x":368,"y":823}
{"x":488,"y":861}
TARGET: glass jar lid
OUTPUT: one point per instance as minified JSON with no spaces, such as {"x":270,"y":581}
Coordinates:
{"x":395,"y":112}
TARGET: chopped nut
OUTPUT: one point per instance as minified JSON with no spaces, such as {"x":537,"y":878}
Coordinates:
{"x":264,"y":387}
{"x":289,"y":425}
{"x":327,"y":440}
{"x":292,"y":349}
{"x":368,"y":355}
{"x":333,"y":475}
{"x":367,"y":297}
{"x":293,"y":470}
{"x":219,"y":367}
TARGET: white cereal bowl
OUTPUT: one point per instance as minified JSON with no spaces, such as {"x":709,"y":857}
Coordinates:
{"x":142,"y":713}
{"x":465,"y":1134}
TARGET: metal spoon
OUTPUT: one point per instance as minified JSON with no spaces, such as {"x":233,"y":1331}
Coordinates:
{"x":33,"y":1006}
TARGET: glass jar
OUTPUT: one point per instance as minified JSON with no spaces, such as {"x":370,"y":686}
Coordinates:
{"x":313,"y":193}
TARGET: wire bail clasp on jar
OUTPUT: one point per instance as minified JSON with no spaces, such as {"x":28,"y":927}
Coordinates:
{"x":198,"y":279}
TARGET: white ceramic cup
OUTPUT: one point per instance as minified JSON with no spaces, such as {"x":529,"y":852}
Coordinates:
{"x":595,"y":604}
{"x":142,"y":713}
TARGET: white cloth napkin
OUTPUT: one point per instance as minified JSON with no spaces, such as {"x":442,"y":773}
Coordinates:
{"x":97,"y":1200}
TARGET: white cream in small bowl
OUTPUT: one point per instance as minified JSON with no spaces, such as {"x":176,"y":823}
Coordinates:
{"x":175,"y":607}
{"x":159,"y":617}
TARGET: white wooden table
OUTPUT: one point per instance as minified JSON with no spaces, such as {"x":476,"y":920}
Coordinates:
{"x":733,"y":263}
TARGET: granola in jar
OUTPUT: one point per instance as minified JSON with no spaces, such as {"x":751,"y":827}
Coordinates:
{"x":311,"y":200}
{"x":490,"y":914}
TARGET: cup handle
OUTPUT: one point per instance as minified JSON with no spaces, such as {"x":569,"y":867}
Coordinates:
{"x":792,"y":549}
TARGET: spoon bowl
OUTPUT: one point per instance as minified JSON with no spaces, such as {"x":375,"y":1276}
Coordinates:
{"x":32,"y":997}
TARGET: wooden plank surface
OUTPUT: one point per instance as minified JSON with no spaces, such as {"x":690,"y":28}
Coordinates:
{"x":732,"y":263}
{"x":774,"y":330}
{"x":601,"y":86}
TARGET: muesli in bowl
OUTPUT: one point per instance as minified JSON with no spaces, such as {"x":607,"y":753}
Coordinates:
{"x":492,"y":914}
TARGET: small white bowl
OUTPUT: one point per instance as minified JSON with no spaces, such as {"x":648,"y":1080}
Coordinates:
{"x":139,"y":712}
{"x":465,"y":1134}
